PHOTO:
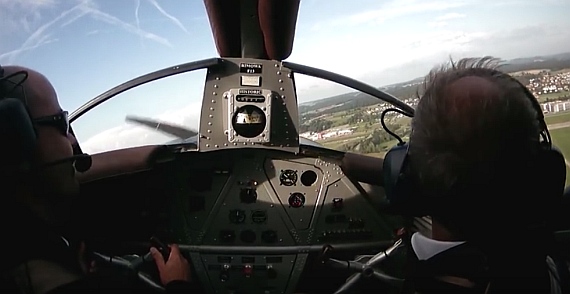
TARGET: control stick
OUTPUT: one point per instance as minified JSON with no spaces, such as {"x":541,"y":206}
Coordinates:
{"x":364,"y":266}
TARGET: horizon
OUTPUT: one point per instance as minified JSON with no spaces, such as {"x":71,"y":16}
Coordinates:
{"x":86,"y":47}
{"x":421,"y":77}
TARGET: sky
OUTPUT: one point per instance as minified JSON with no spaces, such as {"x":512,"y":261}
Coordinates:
{"x":86,"y":47}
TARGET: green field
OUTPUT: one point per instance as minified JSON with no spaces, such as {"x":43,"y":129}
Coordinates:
{"x":557,"y":118}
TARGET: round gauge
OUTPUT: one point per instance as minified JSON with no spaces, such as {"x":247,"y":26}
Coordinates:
{"x":249,"y":121}
{"x":237,"y":216}
{"x":288,"y":177}
{"x":296,"y":200}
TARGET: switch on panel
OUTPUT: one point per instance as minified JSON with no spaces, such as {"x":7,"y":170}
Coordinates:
{"x":248,"y":195}
{"x":337,"y":203}
{"x":225,"y":273}
{"x":271,"y":272}
{"x":227,"y":236}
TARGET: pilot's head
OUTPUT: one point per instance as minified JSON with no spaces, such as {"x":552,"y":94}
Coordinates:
{"x":473,"y":130}
{"x":54,"y":142}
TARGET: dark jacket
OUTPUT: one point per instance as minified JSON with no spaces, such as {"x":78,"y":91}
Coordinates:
{"x":94,"y":284}
{"x":35,"y":251}
{"x":465,"y":269}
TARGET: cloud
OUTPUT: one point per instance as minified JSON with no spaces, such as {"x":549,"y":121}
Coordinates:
{"x":450,"y":16}
{"x":105,"y":17}
{"x":40,"y":36}
{"x":11,"y":55}
{"x":378,"y":54}
{"x":137,"y":7}
{"x":442,"y":21}
{"x":22,"y":14}
{"x":132,"y":135}
{"x":391,"y":10}
{"x":400,"y":8}
{"x":169,"y":16}
{"x":437,"y":24}
{"x":399,"y":57}
{"x":44,"y":30}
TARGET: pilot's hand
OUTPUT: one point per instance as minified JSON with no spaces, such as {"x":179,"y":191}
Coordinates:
{"x":87,"y":265}
{"x":175,"y":269}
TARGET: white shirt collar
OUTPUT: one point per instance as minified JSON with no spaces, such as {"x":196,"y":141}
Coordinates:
{"x":426,"y":248}
{"x":64,"y":240}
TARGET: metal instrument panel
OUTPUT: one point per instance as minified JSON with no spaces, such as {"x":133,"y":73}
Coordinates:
{"x":251,"y":216}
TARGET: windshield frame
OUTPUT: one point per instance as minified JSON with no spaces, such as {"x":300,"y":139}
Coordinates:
{"x":213,"y":62}
{"x":147,"y":78}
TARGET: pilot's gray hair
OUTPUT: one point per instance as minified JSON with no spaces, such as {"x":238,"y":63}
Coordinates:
{"x":469,"y":139}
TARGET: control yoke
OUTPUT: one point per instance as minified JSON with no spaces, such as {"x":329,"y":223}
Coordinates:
{"x":364,"y":267}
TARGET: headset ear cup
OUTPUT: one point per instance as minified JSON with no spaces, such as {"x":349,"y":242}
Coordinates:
{"x":392,"y":167}
{"x":18,"y":134}
{"x":552,"y":169}
{"x":551,"y":179}
{"x":399,"y":187}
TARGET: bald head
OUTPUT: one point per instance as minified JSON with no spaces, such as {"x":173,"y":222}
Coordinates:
{"x":39,"y":93}
{"x":53,"y":141}
{"x":470,"y":113}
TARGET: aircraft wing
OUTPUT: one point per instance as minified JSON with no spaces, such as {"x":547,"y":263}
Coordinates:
{"x":178,"y":131}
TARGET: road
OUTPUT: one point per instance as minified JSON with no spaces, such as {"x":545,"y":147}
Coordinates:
{"x":559,"y":125}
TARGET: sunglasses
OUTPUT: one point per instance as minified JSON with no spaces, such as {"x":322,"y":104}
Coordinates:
{"x":59,"y":121}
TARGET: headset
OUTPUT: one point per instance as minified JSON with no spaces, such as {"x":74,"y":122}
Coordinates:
{"x":17,"y":132}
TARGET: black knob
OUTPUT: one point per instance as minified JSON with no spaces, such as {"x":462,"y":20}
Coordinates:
{"x":248,"y":195}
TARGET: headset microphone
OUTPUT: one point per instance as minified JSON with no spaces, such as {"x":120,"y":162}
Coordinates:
{"x":81,"y":162}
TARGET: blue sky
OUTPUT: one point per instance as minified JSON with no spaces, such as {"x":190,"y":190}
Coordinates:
{"x":88,"y":46}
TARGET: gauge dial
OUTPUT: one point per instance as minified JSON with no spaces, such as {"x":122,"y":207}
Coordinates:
{"x":288,"y":177}
{"x":296,"y":200}
{"x":237,"y":216}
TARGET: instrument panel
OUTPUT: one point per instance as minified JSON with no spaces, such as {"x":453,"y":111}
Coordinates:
{"x":251,"y":204}
{"x":251,"y":217}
